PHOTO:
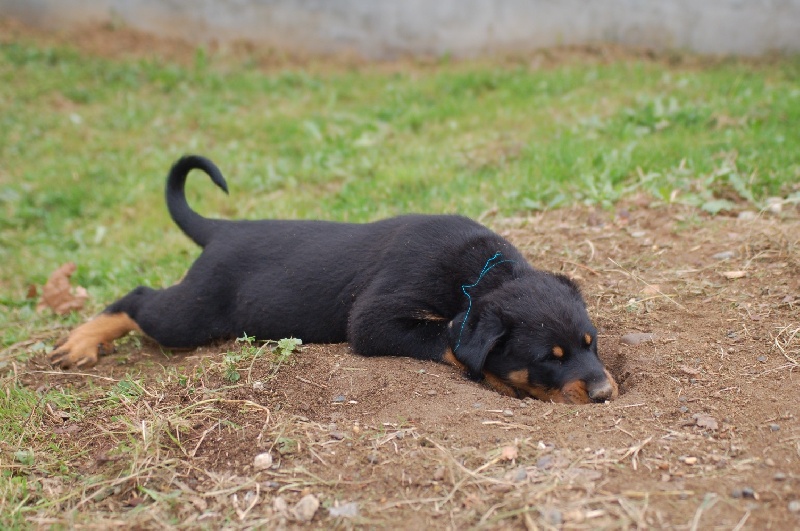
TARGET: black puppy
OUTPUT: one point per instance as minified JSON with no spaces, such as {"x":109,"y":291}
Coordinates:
{"x":441,"y":288}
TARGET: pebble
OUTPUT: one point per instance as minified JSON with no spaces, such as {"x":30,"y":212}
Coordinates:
{"x":747,"y":215}
{"x":553,"y":517}
{"x":794,"y":506}
{"x":544,"y":462}
{"x":339,"y":399}
{"x":774,"y":204}
{"x":690,"y":460}
{"x":438,"y":473}
{"x":521,"y":474}
{"x":262,"y":461}
{"x":337,"y":435}
{"x":373,"y":458}
{"x":774,"y":427}
{"x":477,"y":405}
{"x":306,"y":508}
{"x":683,"y":409}
{"x":779,"y":476}
{"x":432,"y":393}
{"x":635,"y":338}
{"x":508,"y":413}
{"x":258,"y":386}
{"x":762,"y":359}
{"x":724,"y":255}
{"x":347,"y":510}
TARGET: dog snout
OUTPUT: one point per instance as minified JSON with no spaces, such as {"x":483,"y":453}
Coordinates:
{"x":602,"y":389}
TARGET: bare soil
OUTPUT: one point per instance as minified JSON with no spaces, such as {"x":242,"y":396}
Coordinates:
{"x":705,"y":432}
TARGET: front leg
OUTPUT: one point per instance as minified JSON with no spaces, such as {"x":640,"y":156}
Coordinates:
{"x":84,"y":344}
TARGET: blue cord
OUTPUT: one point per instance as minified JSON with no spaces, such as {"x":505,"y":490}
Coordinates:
{"x":488,"y":266}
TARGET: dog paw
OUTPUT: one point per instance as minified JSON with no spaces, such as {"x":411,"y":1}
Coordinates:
{"x":77,"y":351}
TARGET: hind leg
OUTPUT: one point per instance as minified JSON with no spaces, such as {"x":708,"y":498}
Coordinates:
{"x":175,"y":317}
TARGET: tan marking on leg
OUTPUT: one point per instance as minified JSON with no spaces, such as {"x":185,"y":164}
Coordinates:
{"x":558,"y":351}
{"x":82,"y":346}
{"x":451,"y":359}
{"x":425,"y":315}
{"x":498,"y":385}
{"x":519,"y":378}
{"x":587,"y":338}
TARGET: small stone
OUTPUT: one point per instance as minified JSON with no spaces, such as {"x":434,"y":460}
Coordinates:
{"x":724,"y":255}
{"x":749,"y":493}
{"x":508,"y":413}
{"x":747,"y":215}
{"x":774,"y":427}
{"x":373,"y":458}
{"x":544,"y":462}
{"x":769,"y":461}
{"x":762,"y":359}
{"x":477,"y":405}
{"x":736,"y":493}
{"x":337,"y":435}
{"x":553,"y":517}
{"x":636,"y":338}
{"x":262,"y":461}
{"x":339,"y":399}
{"x":779,"y":476}
{"x":306,"y":508}
{"x":521,"y":474}
{"x":347,"y":510}
{"x":794,"y":506}
{"x":509,"y":453}
{"x":638,"y":234}
{"x":438,"y":473}
{"x":690,"y":460}
{"x":281,"y":506}
{"x":682,"y":399}
{"x":432,"y":393}
{"x":683,"y":409}
{"x":258,"y":386}
{"x":774,"y":205}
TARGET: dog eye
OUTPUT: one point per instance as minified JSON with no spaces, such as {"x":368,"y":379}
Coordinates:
{"x":558,"y":352}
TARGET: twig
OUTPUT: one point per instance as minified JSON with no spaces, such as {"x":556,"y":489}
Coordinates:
{"x":651,"y":286}
{"x":740,"y":525}
{"x":309,"y":382}
{"x":70,"y":373}
{"x":708,"y":502}
{"x":633,"y":452}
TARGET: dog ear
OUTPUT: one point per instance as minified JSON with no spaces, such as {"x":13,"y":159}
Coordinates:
{"x":472,"y":342}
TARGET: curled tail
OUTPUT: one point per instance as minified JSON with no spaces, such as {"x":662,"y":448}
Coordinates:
{"x":194,"y":225}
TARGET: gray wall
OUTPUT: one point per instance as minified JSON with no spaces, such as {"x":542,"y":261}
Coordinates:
{"x":385,"y":28}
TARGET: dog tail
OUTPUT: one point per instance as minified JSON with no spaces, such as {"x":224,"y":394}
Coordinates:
{"x":194,"y":225}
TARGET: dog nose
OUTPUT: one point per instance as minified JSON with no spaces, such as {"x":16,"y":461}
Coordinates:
{"x":600,"y":391}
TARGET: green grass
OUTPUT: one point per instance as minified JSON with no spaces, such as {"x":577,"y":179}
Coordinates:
{"x":85,"y":144}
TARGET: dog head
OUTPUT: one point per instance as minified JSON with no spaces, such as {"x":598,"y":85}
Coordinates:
{"x":532,"y":336}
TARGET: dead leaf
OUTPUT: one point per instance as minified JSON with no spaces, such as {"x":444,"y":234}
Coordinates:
{"x":705,"y":421}
{"x":731,"y":275}
{"x":59,"y":295}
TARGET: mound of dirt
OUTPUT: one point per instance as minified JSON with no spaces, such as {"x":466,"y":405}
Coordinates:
{"x":705,"y":432}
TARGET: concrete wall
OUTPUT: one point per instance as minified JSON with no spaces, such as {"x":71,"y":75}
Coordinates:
{"x":386,"y":28}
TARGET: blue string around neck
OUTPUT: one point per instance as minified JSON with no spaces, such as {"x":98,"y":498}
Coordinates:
{"x":490,"y":264}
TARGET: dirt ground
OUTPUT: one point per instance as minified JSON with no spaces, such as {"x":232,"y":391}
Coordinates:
{"x":705,"y":433}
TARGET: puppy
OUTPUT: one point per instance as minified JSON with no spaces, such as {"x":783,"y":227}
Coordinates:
{"x":441,"y":288}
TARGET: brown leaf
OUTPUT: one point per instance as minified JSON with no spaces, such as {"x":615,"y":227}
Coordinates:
{"x":59,"y":295}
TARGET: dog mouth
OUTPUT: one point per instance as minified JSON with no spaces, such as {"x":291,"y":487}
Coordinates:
{"x":573,"y":392}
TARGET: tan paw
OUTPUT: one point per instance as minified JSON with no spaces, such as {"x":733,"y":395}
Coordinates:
{"x":77,"y":351}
